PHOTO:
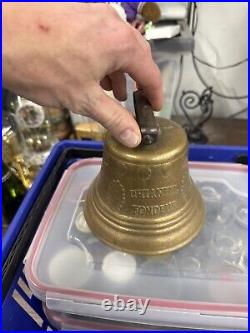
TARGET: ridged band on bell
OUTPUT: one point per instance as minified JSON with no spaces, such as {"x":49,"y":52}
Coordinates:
{"x":144,"y":201}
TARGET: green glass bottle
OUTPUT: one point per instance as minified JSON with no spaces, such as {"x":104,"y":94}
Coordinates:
{"x":13,"y":192}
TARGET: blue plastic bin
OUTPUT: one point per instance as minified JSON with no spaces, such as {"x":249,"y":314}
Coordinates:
{"x":21,"y":310}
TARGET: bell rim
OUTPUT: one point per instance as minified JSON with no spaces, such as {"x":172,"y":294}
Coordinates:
{"x":200,"y":207}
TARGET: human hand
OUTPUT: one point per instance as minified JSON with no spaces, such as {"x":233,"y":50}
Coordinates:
{"x":139,"y":25}
{"x":63,"y":54}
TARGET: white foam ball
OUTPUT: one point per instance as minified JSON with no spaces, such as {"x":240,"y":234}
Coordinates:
{"x":70,"y":267}
{"x":119,"y":266}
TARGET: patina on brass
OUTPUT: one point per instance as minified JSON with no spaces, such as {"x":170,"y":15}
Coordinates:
{"x":144,"y":201}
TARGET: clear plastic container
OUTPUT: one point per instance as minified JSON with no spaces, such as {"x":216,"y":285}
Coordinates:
{"x":65,"y":322}
{"x":203,"y":285}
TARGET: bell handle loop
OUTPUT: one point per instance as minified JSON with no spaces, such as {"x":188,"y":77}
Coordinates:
{"x":145,"y":118}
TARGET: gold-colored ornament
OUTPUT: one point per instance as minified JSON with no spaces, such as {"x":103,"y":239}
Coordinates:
{"x":89,"y":130}
{"x":13,"y":157}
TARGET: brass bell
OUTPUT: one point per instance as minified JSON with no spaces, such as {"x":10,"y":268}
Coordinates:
{"x":144,"y":201}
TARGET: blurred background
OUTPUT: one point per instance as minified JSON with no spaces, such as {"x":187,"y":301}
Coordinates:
{"x":201,"y":50}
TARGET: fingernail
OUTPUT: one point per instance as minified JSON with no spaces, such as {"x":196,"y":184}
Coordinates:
{"x":130,"y":138}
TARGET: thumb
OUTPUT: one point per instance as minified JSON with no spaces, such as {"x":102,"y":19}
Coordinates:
{"x":115,"y":118}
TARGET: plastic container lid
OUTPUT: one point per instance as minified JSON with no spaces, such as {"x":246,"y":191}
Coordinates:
{"x":73,"y":272}
{"x":66,"y":322}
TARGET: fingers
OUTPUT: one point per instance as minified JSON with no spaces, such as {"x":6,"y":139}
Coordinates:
{"x":106,"y":84}
{"x":144,"y":71}
{"x":115,"y":118}
{"x":139,"y":25}
{"x":118,"y":81}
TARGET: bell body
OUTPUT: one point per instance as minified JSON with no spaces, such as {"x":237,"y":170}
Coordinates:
{"x":144,"y":201}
